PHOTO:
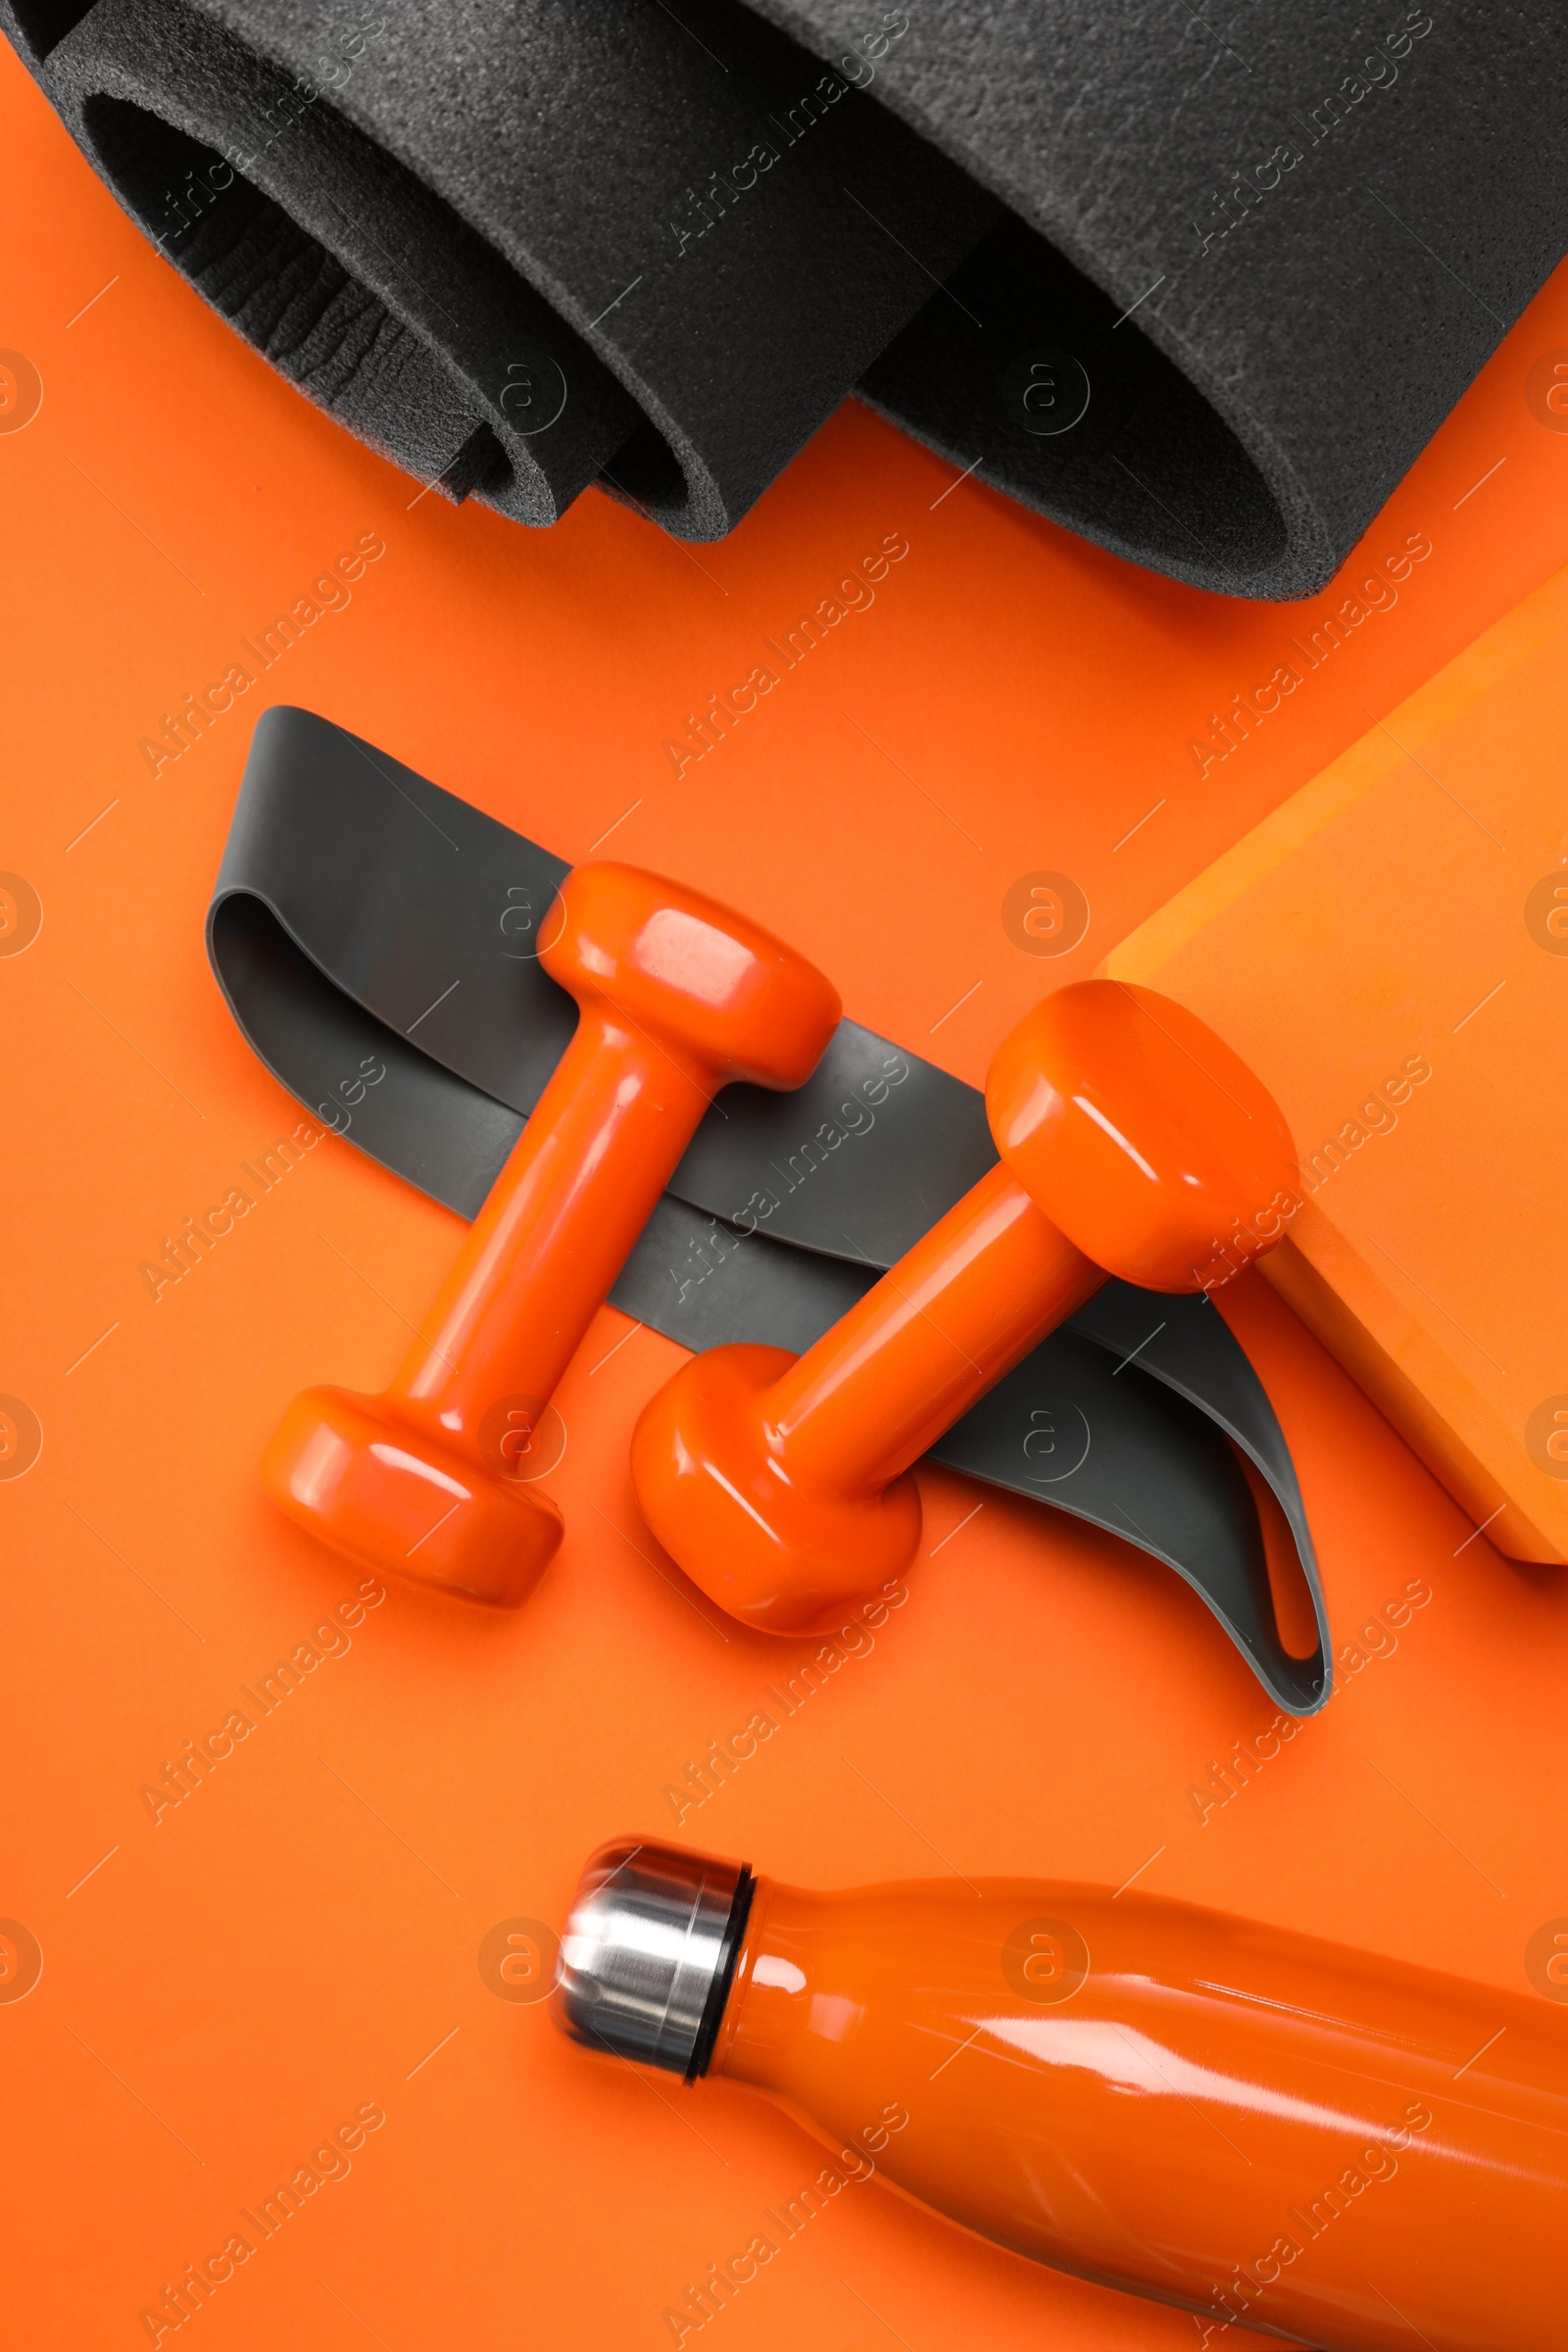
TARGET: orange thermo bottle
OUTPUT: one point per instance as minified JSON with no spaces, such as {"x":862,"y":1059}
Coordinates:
{"x":1264,"y":2130}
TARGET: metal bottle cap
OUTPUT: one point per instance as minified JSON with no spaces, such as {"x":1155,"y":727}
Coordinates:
{"x":649,"y":1953}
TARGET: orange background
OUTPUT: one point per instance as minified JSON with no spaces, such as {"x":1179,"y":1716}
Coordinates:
{"x":223,"y":1989}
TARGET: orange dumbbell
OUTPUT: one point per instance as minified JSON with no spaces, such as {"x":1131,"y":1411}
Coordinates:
{"x":1133,"y":1142}
{"x":435,"y":1479}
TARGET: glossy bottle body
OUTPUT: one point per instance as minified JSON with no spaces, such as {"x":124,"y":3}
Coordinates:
{"x":1264,"y":2130}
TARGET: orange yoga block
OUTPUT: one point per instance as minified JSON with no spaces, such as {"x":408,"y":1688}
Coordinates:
{"x":1389,"y":952}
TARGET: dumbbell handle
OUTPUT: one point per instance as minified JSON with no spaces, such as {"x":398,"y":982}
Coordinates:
{"x":969,"y":1300}
{"x":561,"y":1220}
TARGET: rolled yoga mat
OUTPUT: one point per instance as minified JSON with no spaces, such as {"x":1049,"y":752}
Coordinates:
{"x":695,"y":347}
{"x":1199,"y":285}
{"x":376,"y":941}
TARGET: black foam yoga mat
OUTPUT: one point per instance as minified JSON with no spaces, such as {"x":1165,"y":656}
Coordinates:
{"x":1273,"y":243}
{"x":376,"y":941}
{"x":1200,"y":284}
{"x":696,"y":345}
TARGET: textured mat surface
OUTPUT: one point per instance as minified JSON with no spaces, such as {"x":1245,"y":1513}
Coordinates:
{"x":583,"y":147}
{"x":342,"y":269}
{"x":1200,"y":287}
{"x":1324,"y":218}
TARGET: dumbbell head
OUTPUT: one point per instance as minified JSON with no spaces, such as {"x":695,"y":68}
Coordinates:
{"x":783,"y":1552}
{"x":719,"y":990}
{"x":396,"y":1500}
{"x":435,"y":1481}
{"x":1140,"y":1134}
